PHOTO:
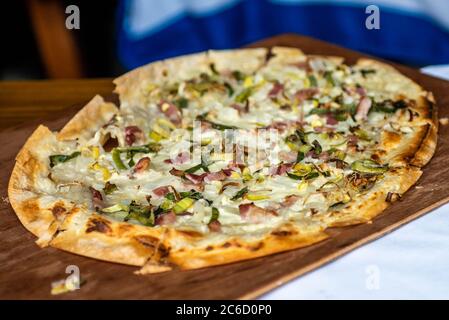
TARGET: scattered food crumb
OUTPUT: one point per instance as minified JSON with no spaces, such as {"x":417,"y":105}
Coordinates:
{"x":419,"y":187}
{"x":444,"y":121}
{"x":63,"y":286}
{"x":5,"y":200}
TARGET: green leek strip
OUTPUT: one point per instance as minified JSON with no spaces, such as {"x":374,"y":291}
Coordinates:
{"x":117,"y":160}
{"x":313,"y":81}
{"x":143,"y":219}
{"x":194,"y":168}
{"x":115,"y":208}
{"x":309,"y":176}
{"x":60,"y":158}
{"x":239,"y":76}
{"x":203,"y":165}
{"x":240,"y":194}
{"x":215,"y":215}
{"x":329,"y":78}
{"x":244,"y":95}
{"x":182,"y":103}
{"x":213,"y":69}
{"x":214,"y":125}
{"x":109,"y":188}
{"x":300,"y":156}
{"x":368,"y":166}
{"x":182,"y":205}
{"x":229,"y":88}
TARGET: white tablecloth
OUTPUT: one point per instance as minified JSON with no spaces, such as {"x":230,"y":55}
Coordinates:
{"x":409,"y":263}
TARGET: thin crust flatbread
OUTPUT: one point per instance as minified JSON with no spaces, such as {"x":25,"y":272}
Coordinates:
{"x":67,"y":219}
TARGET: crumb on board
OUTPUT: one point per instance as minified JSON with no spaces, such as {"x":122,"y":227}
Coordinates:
{"x":419,"y":187}
{"x":5,"y":200}
{"x":444,"y":121}
{"x":64,"y":286}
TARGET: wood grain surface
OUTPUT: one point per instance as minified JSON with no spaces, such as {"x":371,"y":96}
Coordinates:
{"x":22,"y":101}
{"x":26,"y":271}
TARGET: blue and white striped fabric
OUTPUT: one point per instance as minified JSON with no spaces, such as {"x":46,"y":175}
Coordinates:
{"x":412,"y":31}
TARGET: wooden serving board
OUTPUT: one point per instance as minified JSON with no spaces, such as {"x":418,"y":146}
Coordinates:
{"x":27,"y":271}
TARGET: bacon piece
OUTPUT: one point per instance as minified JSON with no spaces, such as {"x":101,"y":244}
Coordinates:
{"x":305,"y":94}
{"x":142,"y":165}
{"x":166,"y":218}
{"x":132,"y":133}
{"x":215,"y":176}
{"x":289,"y":156}
{"x":227,"y":172}
{"x":311,"y":154}
{"x":281,"y":126}
{"x":228,"y":184}
{"x":352,"y":140}
{"x":161,"y":191}
{"x":330,"y":120}
{"x":324,"y":156}
{"x":240,"y":108}
{"x":361,"y":91}
{"x":233,"y":166}
{"x":290,"y":200}
{"x":205,"y":126}
{"x":304,"y":65}
{"x":97,"y":198}
{"x":281,"y":169}
{"x":192,"y":186}
{"x":196,"y":178}
{"x":363,"y":108}
{"x":323,"y":129}
{"x":176,"y":172}
{"x":172,"y":112}
{"x":252,"y":213}
{"x":215,"y":226}
{"x":276,"y":89}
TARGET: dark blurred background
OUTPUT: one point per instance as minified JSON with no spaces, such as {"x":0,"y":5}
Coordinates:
{"x":118,"y":35}
{"x":22,"y":56}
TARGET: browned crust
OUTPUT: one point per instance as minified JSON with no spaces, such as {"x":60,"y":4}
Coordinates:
{"x":235,"y":249}
{"x":428,"y":144}
{"x":419,"y":150}
{"x":92,"y":235}
{"x":88,"y":120}
{"x":373,"y":203}
{"x":21,"y":190}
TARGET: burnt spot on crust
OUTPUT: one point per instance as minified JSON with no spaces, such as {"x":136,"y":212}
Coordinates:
{"x":31,"y":205}
{"x":147,"y":241}
{"x":191,"y":234}
{"x":226,"y":245}
{"x":58,"y":211}
{"x":393,"y":197}
{"x":124,"y":228}
{"x":269,"y":55}
{"x":431,"y":106}
{"x":282,"y":233}
{"x":256,"y":247}
{"x":98,"y":225}
{"x":209,"y":248}
{"x":163,"y":251}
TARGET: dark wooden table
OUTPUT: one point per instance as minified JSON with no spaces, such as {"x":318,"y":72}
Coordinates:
{"x":27,"y":271}
{"x":22,"y":101}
